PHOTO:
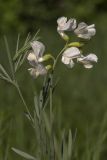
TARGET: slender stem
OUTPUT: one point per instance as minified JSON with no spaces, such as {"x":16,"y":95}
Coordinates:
{"x":22,"y":98}
{"x":51,"y":76}
{"x":52,"y":157}
{"x":51,"y":83}
{"x":41,"y":139}
{"x":56,"y":60}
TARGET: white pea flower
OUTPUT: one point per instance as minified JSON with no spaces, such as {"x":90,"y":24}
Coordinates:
{"x":64,"y":25}
{"x":84,"y":31}
{"x":70,"y":54}
{"x":33,"y":58}
{"x":38,"y":70}
{"x":88,"y":60}
{"x":38,"y":50}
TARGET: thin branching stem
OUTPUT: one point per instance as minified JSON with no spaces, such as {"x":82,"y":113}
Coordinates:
{"x":22,"y":98}
{"x":51,"y":102}
{"x":51,"y":77}
{"x":56,"y":60}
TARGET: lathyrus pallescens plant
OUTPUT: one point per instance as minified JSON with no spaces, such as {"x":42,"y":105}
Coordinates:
{"x":33,"y":50}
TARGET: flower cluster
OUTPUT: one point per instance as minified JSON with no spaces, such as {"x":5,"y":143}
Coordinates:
{"x":35,"y":59}
{"x":82,"y":30}
{"x":74,"y":53}
{"x":70,"y":53}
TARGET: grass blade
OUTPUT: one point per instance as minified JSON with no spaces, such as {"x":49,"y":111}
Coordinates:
{"x":9,"y":56}
{"x":47,"y":123}
{"x":4,"y":78}
{"x":26,"y":46}
{"x":27,"y":39}
{"x":4,"y":72}
{"x":17,"y":45}
{"x":20,"y":61}
{"x":17,"y":63}
{"x":36,"y":106}
{"x":23,"y":154}
{"x":69,"y":144}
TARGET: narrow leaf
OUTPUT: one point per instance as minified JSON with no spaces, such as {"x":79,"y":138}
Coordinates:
{"x":4,"y":72}
{"x":26,"y":46}
{"x":36,"y":106}
{"x":17,"y":63}
{"x":27,"y":39}
{"x":20,"y":61}
{"x":36,"y":35}
{"x":63,"y":143}
{"x":69,"y":144}
{"x":27,"y":116}
{"x":17,"y":45}
{"x":41,"y":99}
{"x":57,"y":149}
{"x":4,"y":78}
{"x":9,"y":56}
{"x":23,"y":59}
{"x":21,"y":51}
{"x":75,"y":135}
{"x":23,"y":154}
{"x":47,"y":123}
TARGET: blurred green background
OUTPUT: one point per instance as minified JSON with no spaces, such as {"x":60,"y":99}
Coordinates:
{"x":80,"y":99}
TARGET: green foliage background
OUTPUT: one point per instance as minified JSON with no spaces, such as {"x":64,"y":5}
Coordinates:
{"x":81,"y":95}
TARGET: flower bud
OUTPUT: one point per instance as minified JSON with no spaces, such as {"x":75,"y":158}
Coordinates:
{"x":64,"y":36}
{"x":45,"y":58}
{"x":75,"y":44}
{"x":48,"y":67}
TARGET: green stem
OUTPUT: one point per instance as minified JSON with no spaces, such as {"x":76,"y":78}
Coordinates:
{"x":51,"y":83}
{"x":56,"y":60}
{"x":22,"y":98}
{"x":51,"y":76}
{"x":51,"y":101}
{"x":52,"y":157}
